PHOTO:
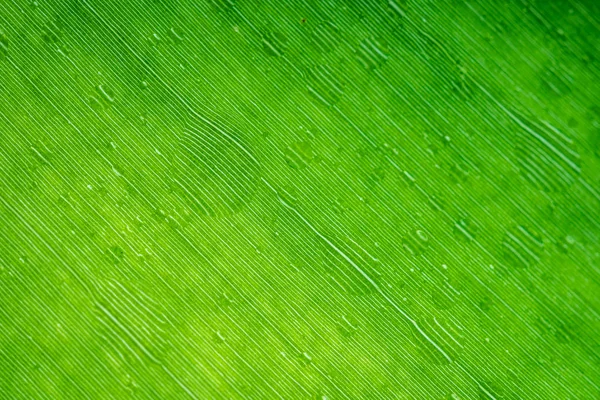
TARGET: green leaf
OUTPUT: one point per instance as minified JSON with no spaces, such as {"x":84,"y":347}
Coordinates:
{"x":303,"y":200}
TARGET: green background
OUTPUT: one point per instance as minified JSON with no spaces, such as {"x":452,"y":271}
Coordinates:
{"x":354,"y":199}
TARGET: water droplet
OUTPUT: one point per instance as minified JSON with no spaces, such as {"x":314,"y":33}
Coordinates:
{"x":397,"y":7}
{"x":106,"y":93}
{"x":172,"y":222}
{"x":298,"y":155}
{"x":289,"y":195}
{"x":325,"y":37}
{"x":435,"y":203}
{"x":3,"y":44}
{"x":131,"y":322}
{"x":408,"y":177}
{"x":175,"y":35}
{"x":439,"y":340}
{"x":139,"y":222}
{"x":63,"y":49}
{"x":274,"y":43}
{"x":41,"y":153}
{"x":115,"y":254}
{"x":218,"y":337}
{"x":130,"y":383}
{"x":376,"y":176}
{"x":465,"y":229}
{"x":415,"y":243}
{"x":95,"y":103}
{"x":306,"y":358}
{"x":223,"y":5}
{"x":422,"y":235}
{"x":224,"y":300}
{"x":485,"y":304}
{"x":217,"y":172}
{"x":554,"y":327}
{"x":51,"y":33}
{"x":352,"y":268}
{"x":489,"y":391}
{"x":339,"y":206}
{"x":546,"y":157}
{"x":324,"y":85}
{"x":522,"y":247}
{"x":444,"y":293}
{"x":155,"y":39}
{"x":565,"y":245}
{"x":347,"y":327}
{"x":372,"y":53}
{"x":458,"y":172}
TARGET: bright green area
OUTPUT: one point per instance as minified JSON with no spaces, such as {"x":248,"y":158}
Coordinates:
{"x":358,"y":199}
